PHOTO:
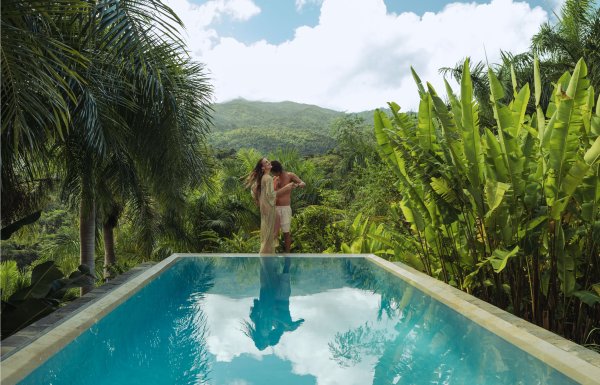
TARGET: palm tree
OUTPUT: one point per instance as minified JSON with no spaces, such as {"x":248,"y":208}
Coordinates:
{"x":152,"y":119}
{"x":480,"y":87}
{"x":115,"y":83}
{"x":162,"y":160}
{"x":37,"y":87}
{"x":513,"y":71}
{"x":576,"y":35}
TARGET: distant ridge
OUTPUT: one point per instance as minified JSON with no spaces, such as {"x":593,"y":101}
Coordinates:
{"x":268,"y":126}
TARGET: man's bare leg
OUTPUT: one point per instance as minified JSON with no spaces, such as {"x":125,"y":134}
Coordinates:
{"x":276,"y":229}
{"x":287,"y":237}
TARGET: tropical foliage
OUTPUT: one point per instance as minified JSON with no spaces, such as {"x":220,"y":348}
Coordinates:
{"x":509,"y":213}
{"x":41,"y":297}
{"x":124,"y":129}
{"x":575,"y":35}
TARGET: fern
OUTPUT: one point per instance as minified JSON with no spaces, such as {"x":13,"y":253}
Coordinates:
{"x":11,"y":279}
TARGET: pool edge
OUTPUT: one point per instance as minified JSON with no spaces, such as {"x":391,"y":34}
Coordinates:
{"x":559,"y":353}
{"x":16,"y":366}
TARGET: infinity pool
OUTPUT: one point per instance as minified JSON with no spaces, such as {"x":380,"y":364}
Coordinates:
{"x":288,"y":321}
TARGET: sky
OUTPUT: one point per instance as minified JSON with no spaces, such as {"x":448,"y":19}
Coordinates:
{"x":349,"y":55}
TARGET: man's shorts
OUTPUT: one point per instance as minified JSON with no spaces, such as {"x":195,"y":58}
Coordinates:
{"x":285,"y":217}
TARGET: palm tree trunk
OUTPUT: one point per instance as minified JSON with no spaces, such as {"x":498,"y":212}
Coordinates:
{"x":109,"y":248}
{"x":87,"y":231}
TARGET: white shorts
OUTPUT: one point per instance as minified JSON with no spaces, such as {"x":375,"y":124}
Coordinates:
{"x":285,"y":217}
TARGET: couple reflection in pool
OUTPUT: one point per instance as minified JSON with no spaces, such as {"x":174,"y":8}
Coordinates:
{"x":270,"y":314}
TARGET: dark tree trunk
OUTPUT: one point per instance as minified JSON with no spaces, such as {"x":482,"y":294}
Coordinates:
{"x":110,"y":257}
{"x":87,"y":231}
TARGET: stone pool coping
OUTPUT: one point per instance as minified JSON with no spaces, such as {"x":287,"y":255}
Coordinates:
{"x":24,"y":351}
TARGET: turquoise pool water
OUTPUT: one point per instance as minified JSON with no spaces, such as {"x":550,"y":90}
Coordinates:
{"x":292,"y":321}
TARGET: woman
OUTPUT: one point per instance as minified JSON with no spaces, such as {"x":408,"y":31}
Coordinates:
{"x":263,"y":192}
{"x":270,"y":314}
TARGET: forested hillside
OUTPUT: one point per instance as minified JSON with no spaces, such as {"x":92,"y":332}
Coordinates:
{"x":268,"y":126}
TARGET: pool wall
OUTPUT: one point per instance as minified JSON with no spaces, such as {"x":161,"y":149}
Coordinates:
{"x":575,"y":361}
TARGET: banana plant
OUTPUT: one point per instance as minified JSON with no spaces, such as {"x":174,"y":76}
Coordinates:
{"x":509,"y":212}
{"x":42,"y":297}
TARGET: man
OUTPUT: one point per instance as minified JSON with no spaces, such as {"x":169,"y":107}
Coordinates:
{"x":282,"y":202}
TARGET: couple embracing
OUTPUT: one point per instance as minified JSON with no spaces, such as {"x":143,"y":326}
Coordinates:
{"x":273,"y":196}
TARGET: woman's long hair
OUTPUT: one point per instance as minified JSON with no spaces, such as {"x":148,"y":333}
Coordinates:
{"x":253,"y":179}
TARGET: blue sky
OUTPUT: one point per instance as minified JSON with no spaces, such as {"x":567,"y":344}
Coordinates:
{"x":348,"y":55}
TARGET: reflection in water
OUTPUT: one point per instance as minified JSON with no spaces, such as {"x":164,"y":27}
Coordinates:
{"x":188,"y":355}
{"x":350,"y":347}
{"x":431,"y":344}
{"x":270,"y":314}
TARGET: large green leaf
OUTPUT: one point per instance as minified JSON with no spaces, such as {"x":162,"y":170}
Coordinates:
{"x":449,"y":130}
{"x":588,"y":195}
{"x":391,"y":155}
{"x":574,"y":178}
{"x":595,"y":122}
{"x":541,"y":122}
{"x":382,"y":126}
{"x":42,"y":278}
{"x":518,"y":108}
{"x":494,"y":194}
{"x":551,"y":111}
{"x":565,"y":261}
{"x":412,"y":216}
{"x":563,"y":142}
{"x":82,"y":277}
{"x":496,"y":164}
{"x":593,"y":153}
{"x":588,"y":112}
{"x":510,"y":120}
{"x":418,"y":82}
{"x":470,"y":130}
{"x":500,"y":258}
{"x":587,"y":297}
{"x":442,"y":187}
{"x":426,"y":129}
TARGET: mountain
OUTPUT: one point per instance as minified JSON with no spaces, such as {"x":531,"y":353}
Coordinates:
{"x":268,"y":126}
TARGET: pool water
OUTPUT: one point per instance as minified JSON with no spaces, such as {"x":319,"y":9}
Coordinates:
{"x":293,"y":321}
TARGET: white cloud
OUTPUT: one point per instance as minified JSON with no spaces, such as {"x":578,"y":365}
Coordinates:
{"x":225,"y":315}
{"x":301,"y":3}
{"x":236,"y":9}
{"x":239,"y":382}
{"x":306,"y":348}
{"x":358,"y":57}
{"x":198,"y":19}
